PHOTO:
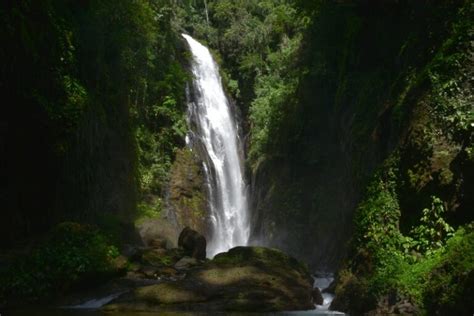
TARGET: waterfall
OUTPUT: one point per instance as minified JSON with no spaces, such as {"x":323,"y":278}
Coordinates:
{"x":215,"y":130}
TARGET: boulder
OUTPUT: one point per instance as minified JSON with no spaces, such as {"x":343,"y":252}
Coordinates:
{"x":245,"y":279}
{"x":168,"y":272}
{"x":317,"y":297}
{"x":193,"y":243}
{"x":134,"y":275}
{"x":351,"y":294}
{"x":393,"y":304}
{"x":149,"y":272}
{"x":185,"y":263}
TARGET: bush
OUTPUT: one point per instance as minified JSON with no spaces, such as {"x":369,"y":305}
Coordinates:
{"x":433,"y":267}
{"x":73,"y":255}
{"x":433,"y":230}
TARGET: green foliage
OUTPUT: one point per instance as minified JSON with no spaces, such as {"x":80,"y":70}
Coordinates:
{"x":450,"y":283}
{"x":433,"y":230}
{"x":378,"y":215}
{"x":158,"y":109}
{"x":274,"y":99}
{"x":259,"y":42}
{"x":160,"y":130}
{"x":98,"y":98}
{"x":72,"y":255}
{"x":453,"y":103}
{"x":154,"y":258}
{"x":42,"y":42}
{"x":412,"y":266}
{"x":449,"y":72}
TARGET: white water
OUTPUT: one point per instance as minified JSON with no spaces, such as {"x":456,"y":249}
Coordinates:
{"x":322,"y":282}
{"x":215,"y":129}
{"x":96,"y":303}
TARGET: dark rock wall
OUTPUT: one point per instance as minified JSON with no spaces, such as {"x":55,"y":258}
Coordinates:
{"x":187,"y":193}
{"x":361,"y":98}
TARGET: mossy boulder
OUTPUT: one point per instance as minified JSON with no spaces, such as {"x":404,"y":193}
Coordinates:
{"x":243,"y":279}
{"x":352,"y":294}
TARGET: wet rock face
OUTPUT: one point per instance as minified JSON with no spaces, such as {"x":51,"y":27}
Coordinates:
{"x":159,"y":231}
{"x":253,"y":279}
{"x":193,"y":243}
{"x":187,"y":193}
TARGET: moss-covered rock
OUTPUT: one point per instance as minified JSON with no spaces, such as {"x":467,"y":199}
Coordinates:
{"x":243,"y":279}
{"x":187,"y":192}
{"x":351,"y":294}
{"x":157,"y":257}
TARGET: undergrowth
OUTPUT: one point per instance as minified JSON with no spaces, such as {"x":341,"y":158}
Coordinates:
{"x":72,"y":256}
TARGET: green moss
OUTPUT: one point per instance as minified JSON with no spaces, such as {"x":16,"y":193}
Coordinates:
{"x":168,"y":294}
{"x":377,"y":217}
{"x":195,"y":204}
{"x":187,"y":193}
{"x":252,"y":255}
{"x":250,"y":279}
{"x":156,"y":257}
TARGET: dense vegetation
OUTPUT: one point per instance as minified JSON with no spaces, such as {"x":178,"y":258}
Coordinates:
{"x":96,"y":94}
{"x":359,"y":123}
{"x":97,"y":90}
{"x":73,"y":256}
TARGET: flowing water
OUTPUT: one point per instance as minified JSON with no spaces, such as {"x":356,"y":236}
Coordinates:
{"x":322,"y":282}
{"x":215,"y":130}
{"x":75,"y":312}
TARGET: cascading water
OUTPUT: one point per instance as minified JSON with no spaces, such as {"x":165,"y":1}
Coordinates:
{"x":215,"y":129}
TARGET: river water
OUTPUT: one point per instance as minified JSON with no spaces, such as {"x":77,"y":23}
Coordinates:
{"x":70,"y":312}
